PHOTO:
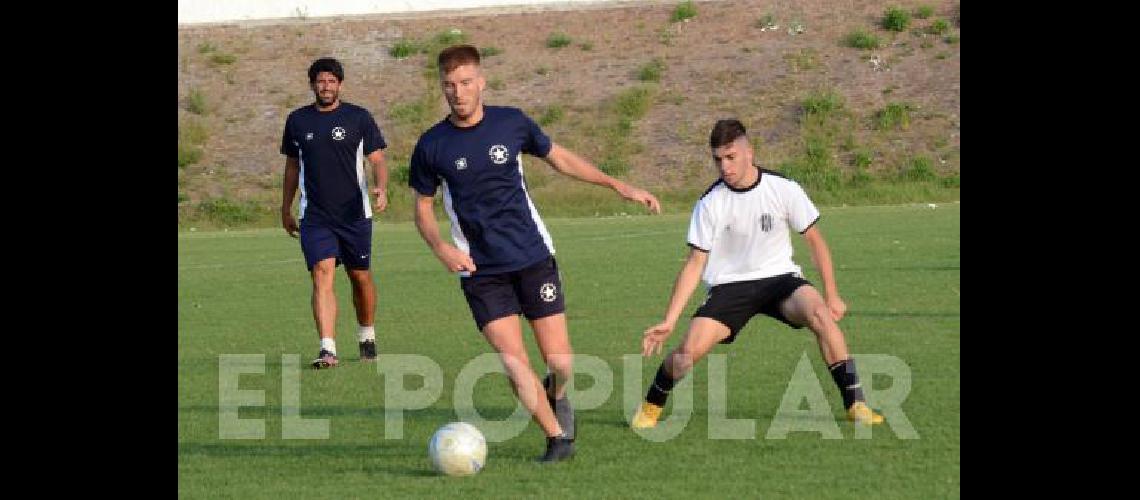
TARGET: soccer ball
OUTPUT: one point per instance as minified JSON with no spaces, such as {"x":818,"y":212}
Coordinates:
{"x":458,"y":449}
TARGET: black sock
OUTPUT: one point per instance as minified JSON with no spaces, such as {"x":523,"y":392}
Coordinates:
{"x":662,"y":384}
{"x":847,"y":380}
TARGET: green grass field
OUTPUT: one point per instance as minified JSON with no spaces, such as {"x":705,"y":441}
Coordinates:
{"x":247,"y":292}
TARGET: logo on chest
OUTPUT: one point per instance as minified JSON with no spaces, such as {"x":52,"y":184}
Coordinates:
{"x":461,"y":164}
{"x":498,"y":154}
{"x":764,"y":221}
{"x":339,"y":134}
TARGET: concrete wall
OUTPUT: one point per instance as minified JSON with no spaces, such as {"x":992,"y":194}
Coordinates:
{"x":215,"y":11}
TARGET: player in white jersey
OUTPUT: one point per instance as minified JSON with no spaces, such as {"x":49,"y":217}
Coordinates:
{"x":741,"y":248}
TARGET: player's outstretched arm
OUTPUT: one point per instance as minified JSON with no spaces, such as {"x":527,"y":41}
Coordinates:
{"x":454,"y":259}
{"x":687,"y":279}
{"x":569,"y":163}
{"x":821,"y":256}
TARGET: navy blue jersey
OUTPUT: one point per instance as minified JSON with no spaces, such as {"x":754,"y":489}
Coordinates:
{"x":480,"y":169}
{"x":331,"y":146}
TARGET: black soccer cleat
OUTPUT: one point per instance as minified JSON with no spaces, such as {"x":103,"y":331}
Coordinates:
{"x":557,"y":450}
{"x":368,"y":350}
{"x":325,"y":359}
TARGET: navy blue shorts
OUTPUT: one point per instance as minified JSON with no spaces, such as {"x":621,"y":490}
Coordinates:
{"x":350,"y":243}
{"x":534,"y":291}
{"x":735,"y":303}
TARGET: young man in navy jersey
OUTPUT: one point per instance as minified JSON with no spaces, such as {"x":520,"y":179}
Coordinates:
{"x":739,"y":245}
{"x":503,"y":252}
{"x":325,"y":144}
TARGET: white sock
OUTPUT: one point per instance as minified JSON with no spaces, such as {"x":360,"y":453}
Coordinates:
{"x":366,"y":333}
{"x":329,"y":345}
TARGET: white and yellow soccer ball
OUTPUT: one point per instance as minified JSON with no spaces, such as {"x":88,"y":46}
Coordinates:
{"x":458,"y":449}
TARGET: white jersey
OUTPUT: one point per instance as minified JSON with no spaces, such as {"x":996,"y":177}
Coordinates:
{"x":745,"y":231}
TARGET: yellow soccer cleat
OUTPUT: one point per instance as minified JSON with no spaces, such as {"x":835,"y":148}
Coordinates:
{"x":860,"y":413}
{"x":646,"y":416}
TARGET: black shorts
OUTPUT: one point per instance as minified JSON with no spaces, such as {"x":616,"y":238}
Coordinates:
{"x":350,"y":243}
{"x":534,"y":291}
{"x":735,"y":303}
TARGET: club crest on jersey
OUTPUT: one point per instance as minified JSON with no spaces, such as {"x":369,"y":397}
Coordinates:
{"x":309,"y":136}
{"x":461,"y":164}
{"x":498,"y":154}
{"x":339,"y":134}
{"x":766,"y":222}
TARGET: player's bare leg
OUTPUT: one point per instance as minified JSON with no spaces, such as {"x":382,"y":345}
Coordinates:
{"x":505,"y":335}
{"x":324,"y":311}
{"x":553,"y":340}
{"x":703,"y":334}
{"x":807,"y":308}
{"x":364,"y":301}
